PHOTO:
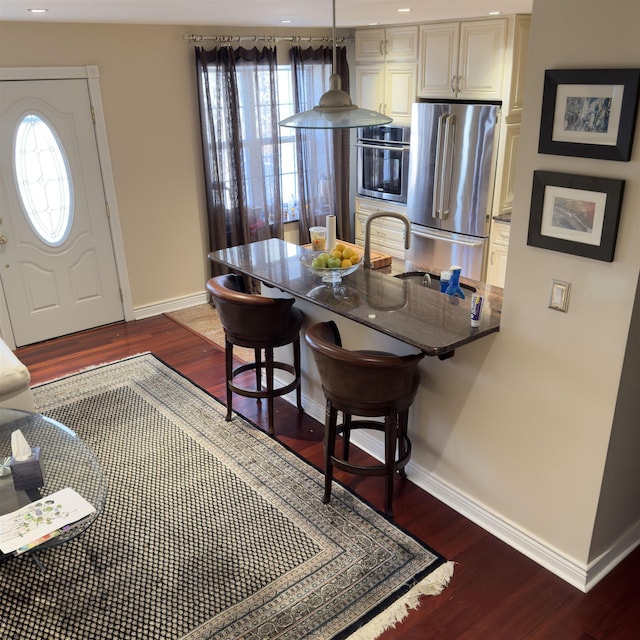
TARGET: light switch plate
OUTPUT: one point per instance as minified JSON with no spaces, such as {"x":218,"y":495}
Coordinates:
{"x":559,"y":295}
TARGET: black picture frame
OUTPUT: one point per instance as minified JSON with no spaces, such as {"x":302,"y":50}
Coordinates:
{"x":575,"y":214}
{"x":589,"y":113}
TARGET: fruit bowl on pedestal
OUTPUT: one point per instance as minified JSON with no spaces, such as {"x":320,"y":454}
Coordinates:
{"x":331,"y":275}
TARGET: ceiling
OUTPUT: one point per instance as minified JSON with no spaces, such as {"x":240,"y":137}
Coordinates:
{"x":258,"y":13}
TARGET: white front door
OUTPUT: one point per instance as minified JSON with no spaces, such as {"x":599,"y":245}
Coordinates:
{"x":57,"y":263}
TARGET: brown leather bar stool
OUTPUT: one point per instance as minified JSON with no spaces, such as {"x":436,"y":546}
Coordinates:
{"x":367,"y":384}
{"x":262,"y":324}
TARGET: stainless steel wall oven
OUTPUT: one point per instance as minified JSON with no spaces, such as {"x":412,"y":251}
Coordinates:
{"x":383,"y":162}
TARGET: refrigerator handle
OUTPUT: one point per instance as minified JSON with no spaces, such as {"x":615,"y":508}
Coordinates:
{"x":447,"y":165}
{"x":436,"y":210}
{"x":382,"y":147}
{"x":434,"y":235}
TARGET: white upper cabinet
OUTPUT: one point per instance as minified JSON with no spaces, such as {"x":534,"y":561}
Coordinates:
{"x":462,"y":60}
{"x":370,"y":45}
{"x":387,"y":88}
{"x":397,"y":44}
{"x":370,"y":86}
{"x":400,"y":90}
{"x":516,"y":65}
{"x":439,"y":44}
{"x":386,"y":74}
{"x":507,"y":158}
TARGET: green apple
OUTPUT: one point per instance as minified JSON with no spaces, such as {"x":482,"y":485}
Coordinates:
{"x":320,"y":262}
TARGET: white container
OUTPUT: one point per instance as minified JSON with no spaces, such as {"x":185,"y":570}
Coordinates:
{"x":318,"y":237}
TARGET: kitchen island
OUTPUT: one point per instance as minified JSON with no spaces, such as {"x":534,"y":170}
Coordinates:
{"x":374,"y":310}
{"x":426,"y":319}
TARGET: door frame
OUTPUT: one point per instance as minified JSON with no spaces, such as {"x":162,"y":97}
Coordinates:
{"x":91,"y":74}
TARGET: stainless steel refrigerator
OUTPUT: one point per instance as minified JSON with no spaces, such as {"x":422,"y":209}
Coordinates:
{"x":451,"y":177}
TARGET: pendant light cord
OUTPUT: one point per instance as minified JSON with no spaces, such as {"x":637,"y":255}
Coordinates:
{"x":335,"y":109}
{"x":333,"y":33}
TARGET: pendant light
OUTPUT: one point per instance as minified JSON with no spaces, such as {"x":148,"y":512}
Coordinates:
{"x":335,"y":109}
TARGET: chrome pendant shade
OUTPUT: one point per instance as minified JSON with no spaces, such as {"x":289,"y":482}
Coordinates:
{"x":335,"y":109}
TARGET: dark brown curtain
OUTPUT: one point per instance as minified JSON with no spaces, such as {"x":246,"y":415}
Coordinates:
{"x":322,"y":155}
{"x":241,"y":158}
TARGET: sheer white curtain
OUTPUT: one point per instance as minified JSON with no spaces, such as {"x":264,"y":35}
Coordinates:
{"x":237,"y":90}
{"x":322,"y":155}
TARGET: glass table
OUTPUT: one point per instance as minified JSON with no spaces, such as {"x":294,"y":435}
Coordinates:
{"x":66,"y":461}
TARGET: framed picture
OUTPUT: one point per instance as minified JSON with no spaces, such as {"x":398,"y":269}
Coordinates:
{"x":575,"y":214}
{"x":589,"y":113}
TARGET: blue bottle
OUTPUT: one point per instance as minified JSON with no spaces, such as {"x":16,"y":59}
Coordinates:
{"x":454,"y":283}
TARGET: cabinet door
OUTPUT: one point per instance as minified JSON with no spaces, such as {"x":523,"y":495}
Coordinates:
{"x":520,"y":47}
{"x":400,"y":91}
{"x":507,"y":167}
{"x":370,"y":45}
{"x":385,"y":236}
{"x":438,"y":59}
{"x":498,"y":254}
{"x":497,"y":267}
{"x":395,"y":44}
{"x":401,"y":44}
{"x":358,"y":231}
{"x":481,"y":60}
{"x":370,"y":86}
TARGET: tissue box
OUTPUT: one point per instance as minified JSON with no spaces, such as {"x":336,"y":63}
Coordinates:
{"x":27,"y":474}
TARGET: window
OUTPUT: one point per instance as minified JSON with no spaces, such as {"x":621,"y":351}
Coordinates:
{"x":44,"y":182}
{"x":288,"y":161}
{"x":256,"y":150}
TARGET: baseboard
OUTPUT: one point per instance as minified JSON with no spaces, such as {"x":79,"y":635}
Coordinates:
{"x":576,"y":574}
{"x":175,"y":304}
{"x":602,"y":565}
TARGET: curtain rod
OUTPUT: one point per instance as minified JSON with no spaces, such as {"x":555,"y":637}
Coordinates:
{"x":230,"y":39}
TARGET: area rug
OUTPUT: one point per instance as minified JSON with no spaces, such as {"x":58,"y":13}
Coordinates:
{"x":211,"y":529}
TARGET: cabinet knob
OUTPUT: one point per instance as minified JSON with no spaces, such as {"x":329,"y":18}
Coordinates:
{"x":3,"y":239}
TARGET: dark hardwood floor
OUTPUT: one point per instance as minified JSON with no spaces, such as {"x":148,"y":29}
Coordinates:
{"x":496,"y":593}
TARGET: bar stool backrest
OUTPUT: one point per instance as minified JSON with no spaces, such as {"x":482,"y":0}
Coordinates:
{"x":247,"y":317}
{"x":365,"y":383}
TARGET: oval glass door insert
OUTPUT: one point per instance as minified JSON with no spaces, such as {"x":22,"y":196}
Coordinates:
{"x":44,"y":181}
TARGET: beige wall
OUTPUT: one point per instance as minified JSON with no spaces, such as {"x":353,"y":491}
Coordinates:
{"x":561,"y":384}
{"x":529,"y":436}
{"x":518,"y":424}
{"x":147,"y":80}
{"x":148,"y":93}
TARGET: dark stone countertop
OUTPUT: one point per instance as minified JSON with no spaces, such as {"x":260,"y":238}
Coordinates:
{"x":434,"y":323}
